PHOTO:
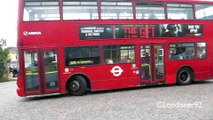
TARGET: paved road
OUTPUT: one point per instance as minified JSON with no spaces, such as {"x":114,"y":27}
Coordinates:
{"x":193,"y":102}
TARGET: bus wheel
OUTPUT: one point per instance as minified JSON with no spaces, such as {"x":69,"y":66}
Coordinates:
{"x":184,"y":76}
{"x":77,"y":86}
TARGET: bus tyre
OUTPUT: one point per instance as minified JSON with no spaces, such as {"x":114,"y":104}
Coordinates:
{"x":184,"y":76}
{"x":77,"y":86}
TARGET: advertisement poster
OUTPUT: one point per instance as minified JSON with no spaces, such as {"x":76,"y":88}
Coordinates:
{"x":95,"y":32}
{"x":140,"y":31}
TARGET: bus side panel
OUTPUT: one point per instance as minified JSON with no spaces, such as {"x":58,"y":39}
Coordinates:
{"x":171,"y":78}
{"x":63,"y":75}
{"x":210,"y":57}
{"x":103,"y":78}
{"x":20,"y":81}
{"x":210,"y":51}
{"x":170,"y":72}
{"x":209,"y":39}
{"x":199,"y":67}
{"x":201,"y":70}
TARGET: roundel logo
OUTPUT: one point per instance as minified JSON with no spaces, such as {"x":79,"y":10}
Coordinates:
{"x":116,"y":71}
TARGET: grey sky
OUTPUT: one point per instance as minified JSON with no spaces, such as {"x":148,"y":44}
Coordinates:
{"x":8,"y":21}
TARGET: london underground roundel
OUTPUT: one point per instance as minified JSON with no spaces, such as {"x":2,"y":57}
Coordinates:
{"x":116,"y":71}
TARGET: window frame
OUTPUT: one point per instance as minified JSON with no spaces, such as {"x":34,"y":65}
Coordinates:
{"x":147,"y":1}
{"x":75,"y":65}
{"x":195,"y":16}
{"x":98,"y":17}
{"x":167,"y":13}
{"x":194,"y":48}
{"x":206,"y":50}
{"x":122,"y":1}
{"x":60,"y":6}
{"x":40,"y":1}
{"x":103,"y":55}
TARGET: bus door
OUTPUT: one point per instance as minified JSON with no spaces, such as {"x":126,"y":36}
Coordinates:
{"x":41,"y":71}
{"x":152,"y":63}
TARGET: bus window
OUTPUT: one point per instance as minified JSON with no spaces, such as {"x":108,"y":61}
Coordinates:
{"x":119,"y":54}
{"x":145,"y":63}
{"x":201,"y":50}
{"x":31,"y":70}
{"x":51,"y":69}
{"x":159,"y":61}
{"x":204,"y":12}
{"x":150,"y":10}
{"x":40,"y":11}
{"x":87,"y":55}
{"x":84,"y":10}
{"x":180,"y":11}
{"x":181,"y":51}
{"x":116,"y":10}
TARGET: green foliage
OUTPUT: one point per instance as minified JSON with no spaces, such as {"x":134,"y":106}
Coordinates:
{"x":3,"y":57}
{"x":3,"y":79}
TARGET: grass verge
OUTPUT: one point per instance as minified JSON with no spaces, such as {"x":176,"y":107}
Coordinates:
{"x":4,"y":79}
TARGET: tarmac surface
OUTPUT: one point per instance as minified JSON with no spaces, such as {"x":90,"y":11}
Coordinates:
{"x":192,"y":102}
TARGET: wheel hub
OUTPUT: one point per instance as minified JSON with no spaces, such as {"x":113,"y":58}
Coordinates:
{"x":184,"y":76}
{"x":75,"y":86}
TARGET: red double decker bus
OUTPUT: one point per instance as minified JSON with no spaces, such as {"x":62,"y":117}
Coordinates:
{"x":72,"y":46}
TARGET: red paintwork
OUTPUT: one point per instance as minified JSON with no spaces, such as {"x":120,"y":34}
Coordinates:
{"x":58,"y":34}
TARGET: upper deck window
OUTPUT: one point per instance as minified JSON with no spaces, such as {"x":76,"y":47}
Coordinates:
{"x":204,"y":12}
{"x":35,"y":10}
{"x":116,"y":10}
{"x":180,"y":11}
{"x":80,"y":10}
{"x":150,"y":10}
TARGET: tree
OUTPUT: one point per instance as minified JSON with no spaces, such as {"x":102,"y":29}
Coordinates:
{"x":3,"y":57}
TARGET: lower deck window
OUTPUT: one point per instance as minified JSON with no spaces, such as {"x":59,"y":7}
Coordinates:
{"x":201,"y":50}
{"x":119,"y":54}
{"x":87,"y":55}
{"x":181,"y":51}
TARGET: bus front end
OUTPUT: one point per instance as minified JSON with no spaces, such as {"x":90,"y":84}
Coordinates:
{"x":20,"y":89}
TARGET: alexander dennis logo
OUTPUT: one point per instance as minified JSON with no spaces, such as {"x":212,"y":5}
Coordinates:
{"x":27,"y":33}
